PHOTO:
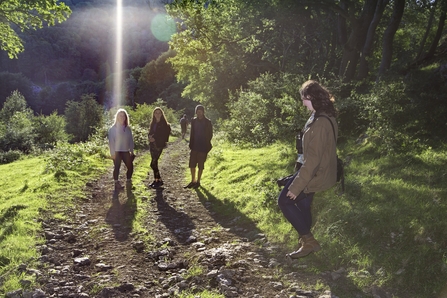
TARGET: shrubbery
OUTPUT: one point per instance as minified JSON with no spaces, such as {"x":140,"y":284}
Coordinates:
{"x":267,"y":111}
{"x":49,"y":130}
{"x":21,"y":131}
{"x":9,"y":156}
{"x":83,"y":118}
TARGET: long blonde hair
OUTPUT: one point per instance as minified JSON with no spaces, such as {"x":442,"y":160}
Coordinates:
{"x":126,"y":122}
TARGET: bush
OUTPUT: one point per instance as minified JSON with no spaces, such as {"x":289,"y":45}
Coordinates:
{"x":140,"y":137}
{"x":83,"y":118}
{"x":14,"y":103}
{"x":268,"y":111}
{"x":18,"y":134}
{"x":10,"y":156}
{"x":388,"y":111}
{"x":49,"y":130}
{"x":142,"y":114}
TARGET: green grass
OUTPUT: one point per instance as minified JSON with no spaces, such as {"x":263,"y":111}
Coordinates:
{"x":48,"y":185}
{"x":203,"y":294}
{"x":28,"y":189}
{"x":388,"y":229}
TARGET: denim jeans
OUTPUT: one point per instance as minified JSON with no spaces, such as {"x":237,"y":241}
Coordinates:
{"x":298,"y":211}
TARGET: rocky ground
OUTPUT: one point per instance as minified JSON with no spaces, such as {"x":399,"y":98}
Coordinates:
{"x":96,"y":253}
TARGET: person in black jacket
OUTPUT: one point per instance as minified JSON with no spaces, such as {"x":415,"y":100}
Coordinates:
{"x":200,"y":144}
{"x":159,"y":131}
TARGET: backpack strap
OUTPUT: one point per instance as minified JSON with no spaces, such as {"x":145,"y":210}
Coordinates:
{"x":333,"y":128}
{"x":342,"y":178}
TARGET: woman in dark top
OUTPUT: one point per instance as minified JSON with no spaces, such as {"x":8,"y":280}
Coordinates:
{"x":159,"y":131}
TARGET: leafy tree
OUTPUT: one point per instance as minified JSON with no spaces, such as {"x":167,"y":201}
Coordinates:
{"x":214,"y":49}
{"x":83,"y":118}
{"x":154,"y":78}
{"x":13,"y":104}
{"x":16,"y":129}
{"x":19,"y":133}
{"x":27,"y":14}
{"x":265,"y":111}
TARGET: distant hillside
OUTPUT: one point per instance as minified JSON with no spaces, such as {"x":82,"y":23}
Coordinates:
{"x":82,"y":49}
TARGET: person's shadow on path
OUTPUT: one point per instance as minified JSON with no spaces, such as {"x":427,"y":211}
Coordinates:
{"x":228,"y":215}
{"x":122,"y":214}
{"x":178,"y":222}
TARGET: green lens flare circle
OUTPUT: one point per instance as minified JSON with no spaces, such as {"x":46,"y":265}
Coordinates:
{"x":162,"y":27}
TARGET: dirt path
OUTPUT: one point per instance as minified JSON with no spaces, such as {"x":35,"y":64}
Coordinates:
{"x":97,"y":254}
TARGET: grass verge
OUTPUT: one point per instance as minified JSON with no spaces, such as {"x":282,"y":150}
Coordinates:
{"x":28,"y":190}
{"x":388,"y":230}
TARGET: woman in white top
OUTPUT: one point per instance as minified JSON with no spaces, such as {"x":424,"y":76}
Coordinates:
{"x":121,"y":145}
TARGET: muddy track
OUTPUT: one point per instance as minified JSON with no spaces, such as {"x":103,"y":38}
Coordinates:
{"x":96,"y":253}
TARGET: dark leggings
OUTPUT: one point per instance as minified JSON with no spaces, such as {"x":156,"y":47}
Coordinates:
{"x":155,"y":154}
{"x":298,"y":211}
{"x":125,"y":157}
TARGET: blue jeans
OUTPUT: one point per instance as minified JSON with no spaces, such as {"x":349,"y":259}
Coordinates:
{"x":298,"y":211}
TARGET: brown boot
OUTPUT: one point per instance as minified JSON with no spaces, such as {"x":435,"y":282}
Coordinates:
{"x":309,"y":245}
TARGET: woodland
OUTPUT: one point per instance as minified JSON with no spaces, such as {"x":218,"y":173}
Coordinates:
{"x":385,"y":62}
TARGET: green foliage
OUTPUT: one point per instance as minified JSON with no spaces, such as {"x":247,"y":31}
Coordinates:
{"x":21,"y":130}
{"x":14,"y":103}
{"x":19,"y":134}
{"x":83,"y":118}
{"x":400,"y":116}
{"x":210,"y":55}
{"x":269,"y":110}
{"x":388,"y":229}
{"x":140,"y":136}
{"x":142,"y":114}
{"x":49,"y":130}
{"x":27,"y":14}
{"x":74,"y":157}
{"x":30,"y":193}
{"x":9,"y":156}
{"x":154,"y":78}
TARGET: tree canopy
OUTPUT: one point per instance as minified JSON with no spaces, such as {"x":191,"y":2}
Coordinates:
{"x":234,"y":41}
{"x":26,"y":15}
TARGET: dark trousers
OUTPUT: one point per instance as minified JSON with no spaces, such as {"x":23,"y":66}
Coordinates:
{"x":126,"y":158}
{"x":155,"y":154}
{"x":298,"y":211}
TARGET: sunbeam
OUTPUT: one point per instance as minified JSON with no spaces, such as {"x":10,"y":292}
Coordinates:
{"x":118,"y":67}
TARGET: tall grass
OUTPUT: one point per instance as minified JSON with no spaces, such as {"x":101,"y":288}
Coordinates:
{"x":388,"y":229}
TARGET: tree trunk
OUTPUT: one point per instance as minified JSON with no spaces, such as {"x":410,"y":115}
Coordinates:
{"x":352,"y":48}
{"x":367,"y":48}
{"x":427,"y":31}
{"x":434,"y":44}
{"x":388,"y":36}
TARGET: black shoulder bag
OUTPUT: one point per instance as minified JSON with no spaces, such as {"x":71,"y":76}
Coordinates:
{"x":340,"y":166}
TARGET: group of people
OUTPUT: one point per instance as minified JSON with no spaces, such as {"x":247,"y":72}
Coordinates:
{"x":121,"y":144}
{"x":316,"y":164}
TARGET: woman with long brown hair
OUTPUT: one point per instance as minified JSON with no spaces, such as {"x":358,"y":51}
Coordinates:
{"x":159,"y":130}
{"x":318,"y":171}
